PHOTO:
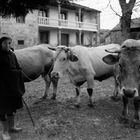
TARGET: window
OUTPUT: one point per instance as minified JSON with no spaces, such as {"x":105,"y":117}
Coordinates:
{"x":20,"y":42}
{"x":64,"y":15}
{"x":43,"y":13}
{"x":20,"y":19}
{"x":77,"y":17}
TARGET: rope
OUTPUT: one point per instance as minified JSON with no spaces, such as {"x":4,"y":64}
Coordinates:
{"x":27,"y":76}
{"x":33,"y":122}
{"x":29,"y":112}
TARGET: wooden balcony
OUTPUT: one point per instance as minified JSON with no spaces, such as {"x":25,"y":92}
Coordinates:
{"x":66,"y":24}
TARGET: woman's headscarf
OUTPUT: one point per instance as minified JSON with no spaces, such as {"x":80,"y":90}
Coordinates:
{"x":3,"y":37}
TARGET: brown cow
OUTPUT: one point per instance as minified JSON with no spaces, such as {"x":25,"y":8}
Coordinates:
{"x":36,"y":61}
{"x":128,"y":60}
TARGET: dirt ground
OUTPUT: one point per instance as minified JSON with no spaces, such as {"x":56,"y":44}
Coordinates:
{"x":60,"y":120}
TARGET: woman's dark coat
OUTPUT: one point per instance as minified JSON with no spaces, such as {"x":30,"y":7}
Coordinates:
{"x":11,"y":83}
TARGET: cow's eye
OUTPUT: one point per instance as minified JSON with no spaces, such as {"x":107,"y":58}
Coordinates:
{"x":64,"y":59}
{"x":139,"y":69}
{"x":120,"y":67}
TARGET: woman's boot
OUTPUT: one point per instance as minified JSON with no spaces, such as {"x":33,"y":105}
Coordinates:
{"x":11,"y":125}
{"x":5,"y":133}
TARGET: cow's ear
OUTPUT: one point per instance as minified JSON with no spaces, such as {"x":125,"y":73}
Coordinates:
{"x":111,"y":59}
{"x":72,"y":57}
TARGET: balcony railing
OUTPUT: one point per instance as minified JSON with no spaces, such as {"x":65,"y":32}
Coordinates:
{"x":66,"y":24}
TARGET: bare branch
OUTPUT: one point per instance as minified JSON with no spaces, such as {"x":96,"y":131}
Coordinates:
{"x":137,"y":3}
{"x":104,"y":8}
{"x":114,"y":11}
{"x":132,"y":2}
{"x":109,"y":2}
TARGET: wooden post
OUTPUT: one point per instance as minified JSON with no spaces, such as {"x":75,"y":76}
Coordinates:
{"x":79,"y":20}
{"x":80,"y":33}
{"x":59,"y":36}
{"x":79,"y":15}
{"x":98,"y":29}
{"x":59,"y":22}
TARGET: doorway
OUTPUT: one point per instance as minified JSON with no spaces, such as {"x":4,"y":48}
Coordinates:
{"x":65,"y":39}
{"x":44,"y":37}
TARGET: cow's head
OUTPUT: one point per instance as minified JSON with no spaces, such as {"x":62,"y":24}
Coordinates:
{"x":128,"y":62}
{"x":63,"y":57}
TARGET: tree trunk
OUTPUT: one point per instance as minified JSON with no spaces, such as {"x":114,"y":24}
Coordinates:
{"x":125,"y":20}
{"x":126,"y":25}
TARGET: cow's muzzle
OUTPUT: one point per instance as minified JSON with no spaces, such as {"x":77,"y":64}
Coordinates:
{"x":55,"y":75}
{"x":128,"y":92}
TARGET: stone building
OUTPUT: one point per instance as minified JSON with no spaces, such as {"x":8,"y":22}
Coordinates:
{"x":115,"y":35}
{"x":56,"y":24}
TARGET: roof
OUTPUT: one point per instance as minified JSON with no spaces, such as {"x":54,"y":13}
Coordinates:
{"x":86,"y":7}
{"x":135,"y":23}
{"x":73,"y":6}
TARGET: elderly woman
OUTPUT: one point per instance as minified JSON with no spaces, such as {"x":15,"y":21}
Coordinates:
{"x":11,"y":87}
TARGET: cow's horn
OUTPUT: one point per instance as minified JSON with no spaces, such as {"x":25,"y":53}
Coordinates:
{"x":113,"y":50}
{"x":52,"y":48}
{"x":67,"y":49}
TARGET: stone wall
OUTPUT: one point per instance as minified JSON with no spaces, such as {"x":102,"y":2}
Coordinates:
{"x":21,"y":32}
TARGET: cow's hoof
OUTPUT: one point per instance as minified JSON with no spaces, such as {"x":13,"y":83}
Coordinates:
{"x":90,"y":105}
{"x":53,"y":97}
{"x":43,"y":98}
{"x":77,"y":105}
{"x":134,"y":123}
{"x":123,"y":120}
{"x":115,"y":98}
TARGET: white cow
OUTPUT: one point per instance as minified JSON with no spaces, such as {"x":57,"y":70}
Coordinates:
{"x":128,"y":62}
{"x":35,"y":61}
{"x":83,"y":64}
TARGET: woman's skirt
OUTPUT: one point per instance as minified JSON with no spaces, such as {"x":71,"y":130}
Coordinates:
{"x":9,"y":104}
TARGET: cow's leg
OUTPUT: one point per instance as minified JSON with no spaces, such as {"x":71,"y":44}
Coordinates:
{"x":54,"y":83}
{"x":116,"y":90}
{"x":77,"y":104}
{"x":47,"y":80}
{"x":123,"y":117}
{"x":90,"y":91}
{"x":136,"y":113}
{"x":90,"y":84}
